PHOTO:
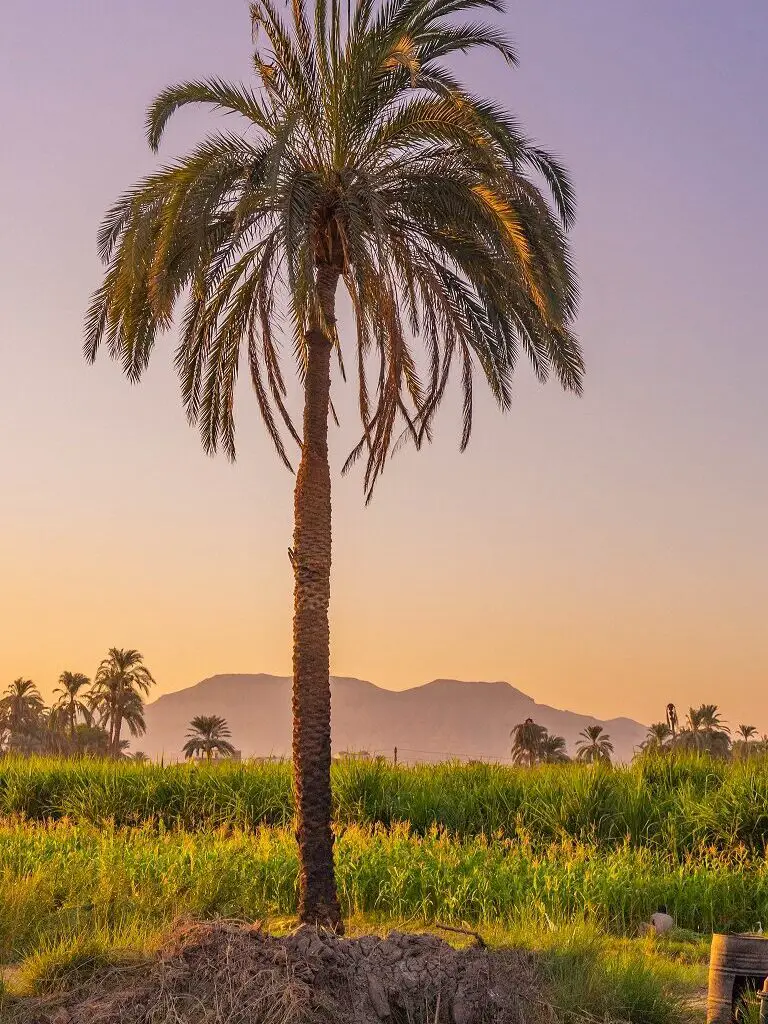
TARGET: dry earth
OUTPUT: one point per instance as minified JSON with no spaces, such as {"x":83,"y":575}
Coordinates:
{"x":228,"y":973}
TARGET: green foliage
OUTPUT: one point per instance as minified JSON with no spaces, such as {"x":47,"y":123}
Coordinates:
{"x":362,"y":157}
{"x":676,"y":803}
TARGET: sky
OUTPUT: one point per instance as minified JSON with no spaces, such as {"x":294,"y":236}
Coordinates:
{"x":605,"y":554}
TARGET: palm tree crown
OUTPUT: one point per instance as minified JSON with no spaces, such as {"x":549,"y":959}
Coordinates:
{"x":659,"y":735}
{"x":594,"y":745}
{"x":364,"y":161}
{"x":71,"y":702}
{"x":21,"y":706}
{"x":208,"y":734}
{"x":122,"y":680}
{"x":367,"y":154}
{"x":746,"y":732}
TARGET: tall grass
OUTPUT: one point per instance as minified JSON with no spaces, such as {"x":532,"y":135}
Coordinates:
{"x":678,"y":804}
{"x":62,"y":880}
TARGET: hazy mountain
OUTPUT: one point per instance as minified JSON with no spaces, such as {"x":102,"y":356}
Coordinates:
{"x":444,"y":718}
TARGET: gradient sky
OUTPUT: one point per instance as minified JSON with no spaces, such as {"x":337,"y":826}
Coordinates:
{"x":605,"y":554}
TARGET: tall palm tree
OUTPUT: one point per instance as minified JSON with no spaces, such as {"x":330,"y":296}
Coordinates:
{"x":594,"y":745}
{"x":747,"y":732}
{"x":527,"y":738}
{"x":659,"y":735}
{"x":21,"y":707}
{"x":71,"y":702}
{"x":208,"y":734}
{"x":122,"y":680}
{"x":366,"y":162}
{"x":552,"y":750}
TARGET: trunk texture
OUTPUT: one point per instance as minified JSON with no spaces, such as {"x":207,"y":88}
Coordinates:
{"x":311,"y":559}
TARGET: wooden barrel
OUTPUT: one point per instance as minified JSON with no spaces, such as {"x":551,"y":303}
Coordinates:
{"x":735,"y":961}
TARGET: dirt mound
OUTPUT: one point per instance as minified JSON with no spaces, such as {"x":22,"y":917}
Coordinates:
{"x":234,"y":974}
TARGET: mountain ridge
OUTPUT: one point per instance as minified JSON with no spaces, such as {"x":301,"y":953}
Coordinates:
{"x":432,"y":721}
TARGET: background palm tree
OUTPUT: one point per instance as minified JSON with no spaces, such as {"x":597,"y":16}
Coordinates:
{"x":21,"y":707}
{"x":208,"y":734}
{"x":121,"y":681}
{"x":527,"y":738}
{"x":552,"y":750}
{"x":706,"y":732}
{"x":71,"y":702}
{"x":747,"y":732}
{"x":659,"y":735}
{"x":594,"y":745}
{"x":366,"y":161}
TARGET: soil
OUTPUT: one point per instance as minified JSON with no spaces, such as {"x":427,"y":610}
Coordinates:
{"x":224,"y":973}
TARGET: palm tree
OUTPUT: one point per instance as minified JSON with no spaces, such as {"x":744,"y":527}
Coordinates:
{"x":527,"y":738}
{"x":21,"y":707}
{"x":552,"y":750}
{"x":594,"y":745}
{"x":121,"y":681}
{"x":70,"y":705}
{"x":658,"y":736}
{"x":746,"y":732}
{"x":367,"y":162}
{"x":706,"y":732}
{"x":208,"y":733}
{"x":139,"y":756}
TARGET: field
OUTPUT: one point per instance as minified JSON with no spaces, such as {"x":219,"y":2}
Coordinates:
{"x":570,"y":860}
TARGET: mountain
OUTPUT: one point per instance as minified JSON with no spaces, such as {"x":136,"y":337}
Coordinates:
{"x":442,"y":719}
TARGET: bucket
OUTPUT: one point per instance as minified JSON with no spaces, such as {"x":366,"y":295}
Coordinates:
{"x":736,"y":962}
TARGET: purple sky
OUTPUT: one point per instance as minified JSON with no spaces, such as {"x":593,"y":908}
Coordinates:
{"x":607,"y":554}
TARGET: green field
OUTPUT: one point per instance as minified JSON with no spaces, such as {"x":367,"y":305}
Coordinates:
{"x":557,"y":858}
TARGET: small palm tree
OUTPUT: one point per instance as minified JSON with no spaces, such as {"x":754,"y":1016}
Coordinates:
{"x":658,"y":737}
{"x":21,"y":707}
{"x":208,"y":734}
{"x":594,"y":745}
{"x":527,"y":738}
{"x":553,"y":750}
{"x":139,"y":756}
{"x":71,"y":703}
{"x":705,"y":732}
{"x":366,"y":162}
{"x":747,"y":732}
{"x":121,"y":682}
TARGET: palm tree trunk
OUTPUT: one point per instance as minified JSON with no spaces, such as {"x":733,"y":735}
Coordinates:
{"x":311,"y":559}
{"x":118,"y":723}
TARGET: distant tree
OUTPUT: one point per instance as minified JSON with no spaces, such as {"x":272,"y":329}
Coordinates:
{"x":594,"y":745}
{"x":705,"y":732}
{"x":746,"y":732}
{"x":552,"y":750}
{"x":21,"y":714}
{"x":122,"y":680}
{"x":139,"y":756}
{"x":658,"y":737}
{"x":672,"y":720}
{"x":71,"y":702}
{"x":208,"y":734}
{"x":527,"y":738}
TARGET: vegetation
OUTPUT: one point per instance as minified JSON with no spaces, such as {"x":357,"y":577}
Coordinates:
{"x":532,"y":744}
{"x":677,"y":804}
{"x":208,"y":735}
{"x":85,"y":719}
{"x":366,"y":162}
{"x":594,"y":746}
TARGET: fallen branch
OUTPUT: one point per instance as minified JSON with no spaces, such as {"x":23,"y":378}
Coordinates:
{"x":463,"y":931}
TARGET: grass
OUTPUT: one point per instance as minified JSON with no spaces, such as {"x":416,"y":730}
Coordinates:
{"x":97,"y":862}
{"x":679,"y":804}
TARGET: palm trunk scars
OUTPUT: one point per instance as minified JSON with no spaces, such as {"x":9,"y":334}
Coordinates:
{"x":311,"y":638}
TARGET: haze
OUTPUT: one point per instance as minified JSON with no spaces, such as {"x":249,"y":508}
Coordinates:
{"x":606,"y":554}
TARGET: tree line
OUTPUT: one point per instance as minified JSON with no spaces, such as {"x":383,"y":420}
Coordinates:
{"x":702,"y":732}
{"x":87,"y":717}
